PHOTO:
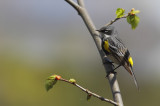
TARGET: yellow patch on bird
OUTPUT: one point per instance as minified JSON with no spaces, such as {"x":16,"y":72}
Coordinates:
{"x":106,"y":46}
{"x":130,"y":61}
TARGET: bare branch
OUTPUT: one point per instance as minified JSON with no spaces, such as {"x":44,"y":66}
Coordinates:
{"x":81,"y":2}
{"x":89,"y":92}
{"x":115,"y":89}
{"x":73,"y":4}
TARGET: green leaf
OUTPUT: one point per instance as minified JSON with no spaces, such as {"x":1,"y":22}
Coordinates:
{"x":72,"y":80}
{"x":88,"y":97}
{"x":120,"y":12}
{"x":135,"y":12}
{"x":133,"y":20}
{"x":50,"y":81}
{"x":52,"y":77}
{"x":49,"y":84}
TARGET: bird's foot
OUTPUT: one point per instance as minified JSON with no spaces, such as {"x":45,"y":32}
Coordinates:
{"x":107,"y":61}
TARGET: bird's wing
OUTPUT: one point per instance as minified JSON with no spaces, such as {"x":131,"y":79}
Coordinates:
{"x":117,"y":48}
{"x":122,"y":54}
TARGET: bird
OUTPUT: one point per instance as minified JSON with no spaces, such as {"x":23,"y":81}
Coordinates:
{"x":115,"y":50}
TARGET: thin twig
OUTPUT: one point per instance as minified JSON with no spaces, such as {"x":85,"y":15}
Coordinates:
{"x":89,"y":92}
{"x":112,"y":21}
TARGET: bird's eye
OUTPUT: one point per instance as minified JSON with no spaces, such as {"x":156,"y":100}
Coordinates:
{"x":106,"y":31}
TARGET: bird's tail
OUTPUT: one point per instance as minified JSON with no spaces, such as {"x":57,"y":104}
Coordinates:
{"x":130,"y":70}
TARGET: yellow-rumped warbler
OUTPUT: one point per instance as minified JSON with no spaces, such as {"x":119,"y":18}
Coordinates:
{"x":115,"y":50}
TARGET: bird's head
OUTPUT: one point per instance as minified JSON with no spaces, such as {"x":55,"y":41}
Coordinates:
{"x":109,"y":30}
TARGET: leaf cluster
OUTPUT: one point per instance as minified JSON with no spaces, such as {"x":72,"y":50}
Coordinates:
{"x":132,"y":18}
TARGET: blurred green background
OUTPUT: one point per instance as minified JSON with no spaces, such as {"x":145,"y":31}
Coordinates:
{"x":39,"y":38}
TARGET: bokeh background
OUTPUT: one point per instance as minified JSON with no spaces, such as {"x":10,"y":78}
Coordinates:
{"x":39,"y":38}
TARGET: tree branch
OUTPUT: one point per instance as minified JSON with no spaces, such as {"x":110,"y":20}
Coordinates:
{"x":89,"y":92}
{"x":81,"y":2}
{"x":73,"y":4}
{"x":108,"y":66}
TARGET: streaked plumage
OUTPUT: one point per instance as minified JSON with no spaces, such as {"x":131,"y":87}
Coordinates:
{"x":115,"y":50}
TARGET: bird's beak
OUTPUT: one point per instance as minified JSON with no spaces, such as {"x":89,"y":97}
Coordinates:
{"x":98,"y":30}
